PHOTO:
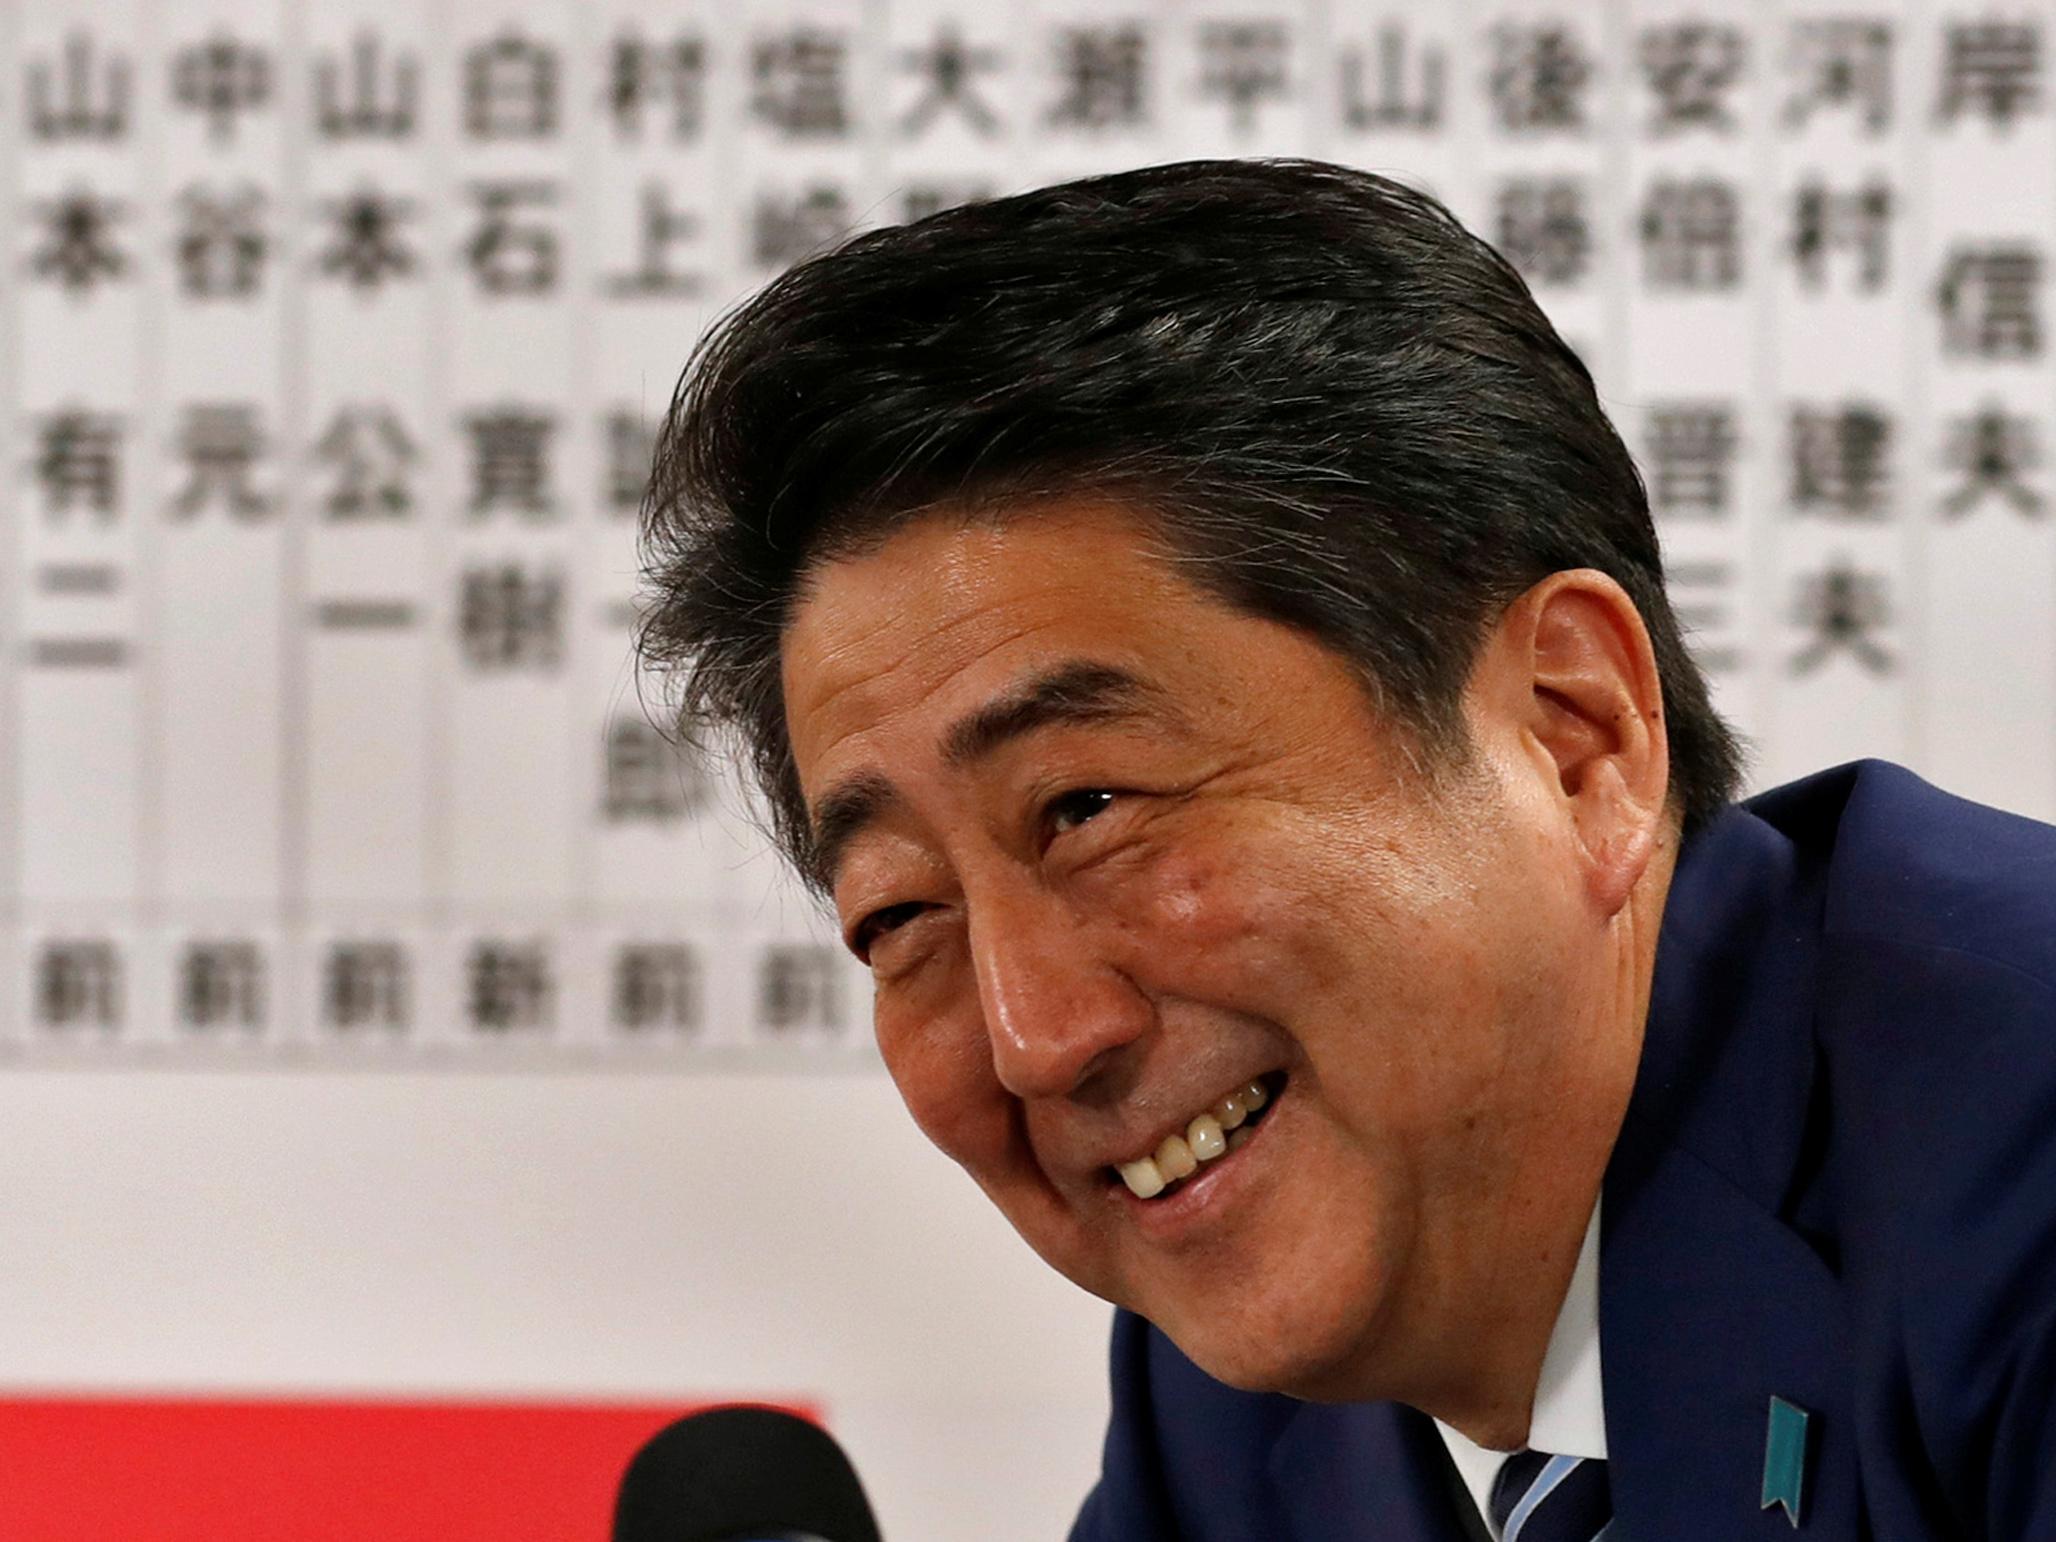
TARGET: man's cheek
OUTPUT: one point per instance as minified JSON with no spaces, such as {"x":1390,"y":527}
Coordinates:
{"x":1234,"y":929}
{"x":949,"y":1087}
{"x":1195,"y":902}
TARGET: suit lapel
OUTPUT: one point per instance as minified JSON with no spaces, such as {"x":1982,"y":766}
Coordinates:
{"x":1709,"y":1304}
{"x":1707,"y":1309}
{"x":1368,"y":1472}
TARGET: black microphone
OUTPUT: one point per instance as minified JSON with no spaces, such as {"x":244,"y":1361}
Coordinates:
{"x":742,"y":1474}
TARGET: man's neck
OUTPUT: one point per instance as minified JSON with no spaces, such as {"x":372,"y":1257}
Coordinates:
{"x":1519,"y":1284}
{"x":1499,"y":1413}
{"x":1570,"y":1402}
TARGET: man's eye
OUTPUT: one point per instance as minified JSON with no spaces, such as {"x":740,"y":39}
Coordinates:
{"x":1074,"y":808}
{"x":877,"y":924}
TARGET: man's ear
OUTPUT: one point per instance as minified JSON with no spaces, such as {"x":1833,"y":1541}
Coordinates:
{"x":1567,"y":683}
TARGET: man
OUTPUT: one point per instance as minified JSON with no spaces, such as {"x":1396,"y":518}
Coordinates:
{"x":1202,"y":634}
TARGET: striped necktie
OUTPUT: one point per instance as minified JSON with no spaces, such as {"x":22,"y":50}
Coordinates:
{"x":1542,"y":1498}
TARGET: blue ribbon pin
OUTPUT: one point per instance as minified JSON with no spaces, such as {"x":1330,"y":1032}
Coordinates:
{"x":1784,"y":1458}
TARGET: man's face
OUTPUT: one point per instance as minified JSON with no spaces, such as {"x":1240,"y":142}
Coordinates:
{"x":1117,"y":850}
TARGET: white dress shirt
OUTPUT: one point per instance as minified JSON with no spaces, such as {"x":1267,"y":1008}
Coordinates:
{"x":1570,"y":1416}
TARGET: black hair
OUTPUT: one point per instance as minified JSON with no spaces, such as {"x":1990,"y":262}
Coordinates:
{"x":1340,"y":409}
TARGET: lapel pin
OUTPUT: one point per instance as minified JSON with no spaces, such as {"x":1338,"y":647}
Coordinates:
{"x":1784,"y":1458}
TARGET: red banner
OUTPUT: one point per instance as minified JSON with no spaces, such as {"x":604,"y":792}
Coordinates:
{"x":179,"y":1470}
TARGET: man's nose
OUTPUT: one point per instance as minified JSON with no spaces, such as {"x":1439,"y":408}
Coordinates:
{"x":1056,"y":1009}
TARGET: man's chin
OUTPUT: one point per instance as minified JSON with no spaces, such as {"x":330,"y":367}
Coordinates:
{"x":1333,"y":1368}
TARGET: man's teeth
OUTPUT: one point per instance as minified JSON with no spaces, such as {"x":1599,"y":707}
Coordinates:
{"x":1210,"y":1135}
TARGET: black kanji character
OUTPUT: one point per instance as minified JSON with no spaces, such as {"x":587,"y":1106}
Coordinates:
{"x":1101,"y":71}
{"x":74,"y":100}
{"x":947,"y":67}
{"x":510,"y":462}
{"x":1854,"y":219}
{"x":1841,"y":461}
{"x":78,"y":984}
{"x":365,"y":985}
{"x":797,"y":987}
{"x":648,"y":778}
{"x":510,"y":88}
{"x":1382,"y":88}
{"x":1691,"y":234}
{"x":663,"y":228}
{"x":631,"y":446}
{"x":1990,"y":70}
{"x":785,"y":229}
{"x":509,"y":254}
{"x":1990,"y":302}
{"x":1843,"y":607}
{"x":221,"y":78}
{"x":365,"y":613}
{"x":221,"y":985}
{"x":1244,"y":64}
{"x":372,"y":455}
{"x":1691,"y":69}
{"x":1691,"y":457}
{"x":78,"y":248}
{"x":78,"y":578}
{"x":1544,"y":230}
{"x":1992,"y":448}
{"x":656,"y":987}
{"x":221,"y":244}
{"x":639,"y":73}
{"x":361,"y":96}
{"x":222,"y":444}
{"x":510,"y":618}
{"x":510,"y":988}
{"x":799,"y":84}
{"x":78,"y":653}
{"x":1539,"y":78}
{"x":1840,"y":61}
{"x":365,"y":248}
{"x":78,"y":462}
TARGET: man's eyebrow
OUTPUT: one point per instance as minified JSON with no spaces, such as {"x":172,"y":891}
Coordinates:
{"x":1079,"y":691}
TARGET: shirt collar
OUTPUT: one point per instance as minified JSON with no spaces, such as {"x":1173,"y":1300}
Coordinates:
{"x":1569,"y":1417}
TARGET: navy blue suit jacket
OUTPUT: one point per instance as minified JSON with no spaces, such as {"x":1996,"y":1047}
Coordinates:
{"x":1836,"y":1184}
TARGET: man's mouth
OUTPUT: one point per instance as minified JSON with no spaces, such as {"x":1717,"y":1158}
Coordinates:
{"x":1207,"y":1137}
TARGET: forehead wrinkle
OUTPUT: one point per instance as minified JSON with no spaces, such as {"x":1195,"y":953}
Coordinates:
{"x":922,"y":653}
{"x":852,"y":803}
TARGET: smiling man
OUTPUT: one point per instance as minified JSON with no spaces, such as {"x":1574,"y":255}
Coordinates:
{"x":1200,"y":631}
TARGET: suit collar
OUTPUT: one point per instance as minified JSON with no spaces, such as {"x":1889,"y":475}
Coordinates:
{"x":1726,"y":1069}
{"x":1380,"y":1465}
{"x":1709,"y":1303}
